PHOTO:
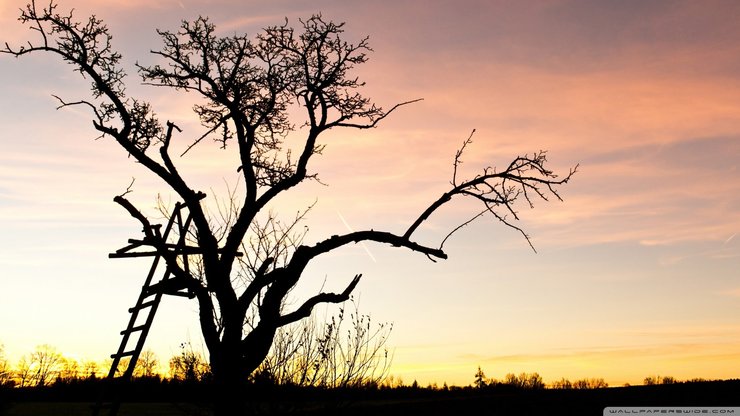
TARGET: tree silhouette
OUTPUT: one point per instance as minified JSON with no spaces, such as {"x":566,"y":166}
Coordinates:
{"x":70,"y":370}
{"x":590,"y":383}
{"x":147,"y":364}
{"x":345,"y":351}
{"x":251,"y":89}
{"x":42,"y":366}
{"x":480,"y":378}
{"x":188,"y":365}
{"x":525,"y":381}
{"x":6,"y":375}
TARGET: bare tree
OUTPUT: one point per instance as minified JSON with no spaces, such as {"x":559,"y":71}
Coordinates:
{"x":90,"y":369}
{"x":6,"y":373}
{"x":23,"y":372}
{"x":41,"y":367}
{"x":248,"y":87}
{"x":147,"y":365}
{"x":654,"y":380}
{"x":590,"y":383}
{"x":524,"y":381}
{"x":480,"y":379}
{"x":189,"y":365}
{"x":562,"y":384}
{"x":340,"y":352}
{"x":69,"y":371}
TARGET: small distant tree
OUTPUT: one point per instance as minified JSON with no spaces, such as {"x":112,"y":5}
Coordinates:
{"x":480,"y":379}
{"x":189,"y":365}
{"x":90,"y":369}
{"x":249,"y":93}
{"x":6,"y":373}
{"x":654,"y":380}
{"x":70,"y":370}
{"x":581,"y":384}
{"x":512,"y":380}
{"x":697,"y":380}
{"x":393,"y":382}
{"x":590,"y":383}
{"x":525,"y":381}
{"x":534,"y":381}
{"x":39,"y":368}
{"x":563,"y":383}
{"x":147,"y":365}
{"x":23,"y":374}
{"x":668,"y":380}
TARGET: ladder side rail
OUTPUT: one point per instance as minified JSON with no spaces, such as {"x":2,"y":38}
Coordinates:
{"x":176,"y":218}
{"x":182,"y":242}
{"x":132,"y":320}
{"x":143,"y":333}
{"x":152,"y":308}
{"x":147,"y":283}
{"x":171,"y":221}
{"x":179,"y":249}
{"x":142,"y":297}
{"x":115,"y":403}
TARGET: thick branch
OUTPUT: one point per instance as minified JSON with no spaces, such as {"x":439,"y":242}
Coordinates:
{"x":304,"y":310}
{"x":378,"y":236}
{"x":446,"y":197}
{"x":134,"y":212}
{"x":164,"y":150}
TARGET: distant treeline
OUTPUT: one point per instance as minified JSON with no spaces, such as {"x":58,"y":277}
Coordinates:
{"x":48,"y":370}
{"x":525,"y":393}
{"x":46,"y":366}
{"x":533,"y":381}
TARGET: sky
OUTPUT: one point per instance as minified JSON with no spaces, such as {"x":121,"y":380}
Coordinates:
{"x":637,"y":271}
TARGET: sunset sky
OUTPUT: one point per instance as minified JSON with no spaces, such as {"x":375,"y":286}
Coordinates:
{"x":636,"y":273}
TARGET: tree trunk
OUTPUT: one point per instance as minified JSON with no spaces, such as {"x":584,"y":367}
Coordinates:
{"x":232,"y":364}
{"x":229,"y":381}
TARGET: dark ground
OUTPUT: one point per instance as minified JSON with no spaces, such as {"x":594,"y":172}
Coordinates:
{"x":168,"y":400}
{"x":552,"y":402}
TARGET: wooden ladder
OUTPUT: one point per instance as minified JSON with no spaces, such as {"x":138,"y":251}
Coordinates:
{"x":142,"y":314}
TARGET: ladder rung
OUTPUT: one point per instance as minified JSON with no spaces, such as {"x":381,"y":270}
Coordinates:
{"x":123,"y":354}
{"x":142,"y":306}
{"x":188,"y":295}
{"x":134,"y":329}
{"x":166,"y":286}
